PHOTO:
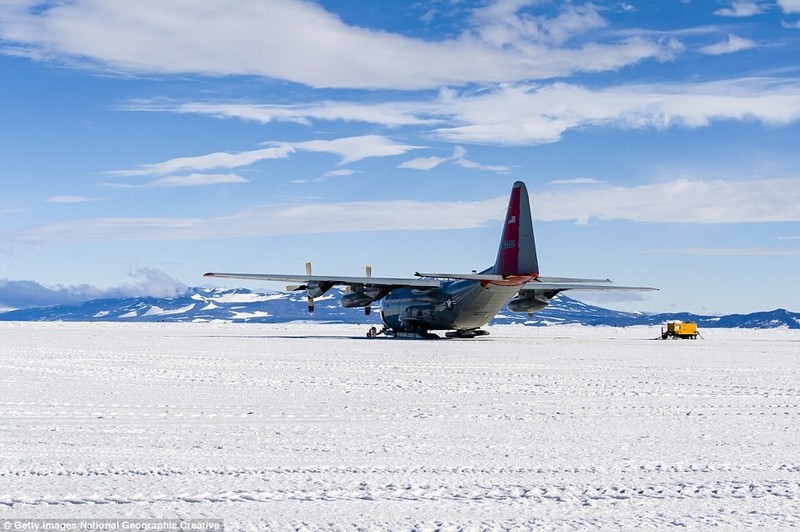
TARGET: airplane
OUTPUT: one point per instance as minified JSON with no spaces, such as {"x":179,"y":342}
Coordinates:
{"x":457,"y":303}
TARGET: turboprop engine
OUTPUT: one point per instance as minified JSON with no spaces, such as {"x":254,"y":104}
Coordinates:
{"x":356,"y":299}
{"x":313,"y":288}
{"x":363,"y":298}
{"x":528,"y":301}
{"x":317,"y":289}
{"x":363,"y":295}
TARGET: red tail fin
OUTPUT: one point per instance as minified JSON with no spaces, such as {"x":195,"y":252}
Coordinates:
{"x":517,"y":252}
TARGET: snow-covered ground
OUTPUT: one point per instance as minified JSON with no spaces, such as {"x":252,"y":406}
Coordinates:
{"x":315,"y":426}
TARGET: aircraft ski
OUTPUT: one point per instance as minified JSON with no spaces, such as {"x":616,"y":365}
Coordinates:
{"x":458,"y":303}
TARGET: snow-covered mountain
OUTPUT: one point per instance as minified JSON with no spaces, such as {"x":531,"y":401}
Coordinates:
{"x":242,"y":305}
{"x":196,"y":304}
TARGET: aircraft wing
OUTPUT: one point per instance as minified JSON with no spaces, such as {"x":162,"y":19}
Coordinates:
{"x":332,"y":280}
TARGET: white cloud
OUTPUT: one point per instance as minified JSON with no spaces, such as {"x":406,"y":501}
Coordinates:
{"x":732,"y":44}
{"x":529,"y":114}
{"x":349,"y":149}
{"x":789,"y":6}
{"x":729,"y":252}
{"x":196,"y":180}
{"x":502,"y":23}
{"x":458,"y":158}
{"x":577,"y":181}
{"x":744,"y":8}
{"x":537,"y":114}
{"x":342,"y":172}
{"x":353,"y":149}
{"x":209,"y":161}
{"x":147,"y":282}
{"x":300,"y":41}
{"x":680,"y":201}
{"x":424,"y":163}
{"x":339,"y":173}
{"x":191,"y":180}
{"x":392,"y":114}
{"x":11,"y":210}
{"x":271,"y":220}
{"x":472,"y":165}
{"x":68,"y":199}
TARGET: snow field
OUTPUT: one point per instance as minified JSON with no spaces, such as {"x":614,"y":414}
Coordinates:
{"x":309,"y":426}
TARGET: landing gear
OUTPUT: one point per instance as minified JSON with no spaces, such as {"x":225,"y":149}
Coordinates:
{"x":466,"y":333}
{"x":411,"y":331}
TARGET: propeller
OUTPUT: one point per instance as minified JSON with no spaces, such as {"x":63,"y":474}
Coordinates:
{"x":310,"y":299}
{"x":368,"y":308}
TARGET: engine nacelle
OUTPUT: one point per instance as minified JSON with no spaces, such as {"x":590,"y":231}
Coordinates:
{"x":357,"y":299}
{"x":364,"y":296}
{"x":317,"y":289}
{"x":529,"y":303}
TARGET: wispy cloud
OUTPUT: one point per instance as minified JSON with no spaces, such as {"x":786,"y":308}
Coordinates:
{"x":348,"y":149}
{"x":191,"y":180}
{"x":733,"y":44}
{"x":742,"y":8}
{"x":341,"y":172}
{"x":424,"y":163}
{"x":680,"y":201}
{"x":391,"y":114}
{"x":353,"y":149}
{"x":11,"y":210}
{"x":504,"y":41}
{"x":209,"y":161}
{"x":577,"y":181}
{"x":458,"y":158}
{"x":270,"y":220}
{"x":69,"y":199}
{"x":789,"y":6}
{"x":538,"y":113}
{"x":503,"y":23}
{"x":729,"y":252}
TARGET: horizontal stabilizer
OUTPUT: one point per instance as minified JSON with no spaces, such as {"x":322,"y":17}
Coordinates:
{"x":571,"y":280}
{"x":536,"y":285}
{"x":493,"y":277}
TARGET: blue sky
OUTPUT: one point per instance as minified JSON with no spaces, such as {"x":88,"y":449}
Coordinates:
{"x":144,"y":143}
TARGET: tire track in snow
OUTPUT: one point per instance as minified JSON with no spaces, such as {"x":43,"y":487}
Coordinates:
{"x":729,"y":491}
{"x":93,"y":470}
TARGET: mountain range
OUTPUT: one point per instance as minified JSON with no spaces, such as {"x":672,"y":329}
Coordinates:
{"x":242,"y":305}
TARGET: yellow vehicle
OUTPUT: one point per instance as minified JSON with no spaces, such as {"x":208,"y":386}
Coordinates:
{"x":680,"y":329}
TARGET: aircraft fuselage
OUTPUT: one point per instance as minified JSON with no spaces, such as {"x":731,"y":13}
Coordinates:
{"x":461,"y":305}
